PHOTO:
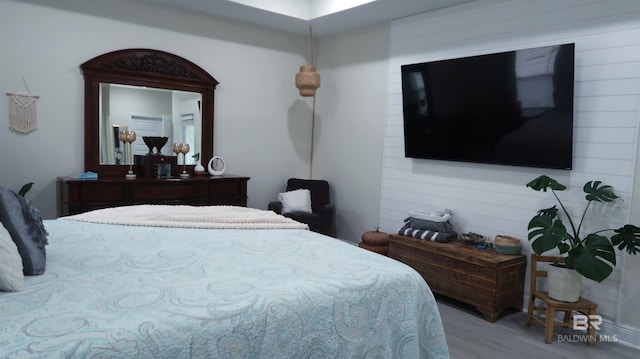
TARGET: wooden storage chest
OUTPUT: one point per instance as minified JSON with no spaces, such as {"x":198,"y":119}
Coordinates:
{"x":485,"y":279}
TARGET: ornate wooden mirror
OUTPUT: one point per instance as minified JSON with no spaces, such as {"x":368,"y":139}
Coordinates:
{"x":168,"y":82}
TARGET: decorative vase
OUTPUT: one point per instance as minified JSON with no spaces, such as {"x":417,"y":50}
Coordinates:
{"x":198,"y":169}
{"x":149,"y":142}
{"x":564,"y":284}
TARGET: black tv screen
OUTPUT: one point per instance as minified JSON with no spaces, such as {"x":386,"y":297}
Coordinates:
{"x":508,"y":108}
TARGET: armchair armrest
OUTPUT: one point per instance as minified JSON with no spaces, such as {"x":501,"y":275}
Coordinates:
{"x":329,"y":219}
{"x":275,"y":206}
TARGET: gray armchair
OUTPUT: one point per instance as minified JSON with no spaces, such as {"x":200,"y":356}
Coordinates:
{"x":323,"y":216}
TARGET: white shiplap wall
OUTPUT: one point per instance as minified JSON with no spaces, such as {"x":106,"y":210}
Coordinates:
{"x":491,"y":199}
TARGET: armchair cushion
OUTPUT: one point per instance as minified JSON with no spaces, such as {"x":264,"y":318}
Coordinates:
{"x":319,"y":191}
{"x":295,"y":201}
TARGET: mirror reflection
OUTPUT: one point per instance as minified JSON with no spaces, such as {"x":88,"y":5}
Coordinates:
{"x":149,"y":112}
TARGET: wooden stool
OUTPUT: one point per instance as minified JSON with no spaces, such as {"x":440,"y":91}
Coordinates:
{"x":551,"y":306}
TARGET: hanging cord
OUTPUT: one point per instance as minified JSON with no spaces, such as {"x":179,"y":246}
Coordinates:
{"x":313,"y":108}
{"x":310,"y":48}
{"x":17,"y":90}
{"x":313,"y":126}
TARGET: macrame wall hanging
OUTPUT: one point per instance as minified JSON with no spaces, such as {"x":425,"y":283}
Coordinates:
{"x":22,"y":109}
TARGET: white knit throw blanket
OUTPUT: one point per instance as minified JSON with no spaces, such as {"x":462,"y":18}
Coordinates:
{"x":220,"y":217}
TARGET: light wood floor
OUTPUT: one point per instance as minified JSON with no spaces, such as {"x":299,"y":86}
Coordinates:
{"x":469,"y":335}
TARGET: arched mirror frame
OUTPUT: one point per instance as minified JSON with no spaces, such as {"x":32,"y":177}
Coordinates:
{"x":141,"y":67}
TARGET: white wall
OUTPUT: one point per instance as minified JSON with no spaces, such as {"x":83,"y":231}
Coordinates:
{"x":261,"y":123}
{"x":350,"y":117}
{"x":492,"y":199}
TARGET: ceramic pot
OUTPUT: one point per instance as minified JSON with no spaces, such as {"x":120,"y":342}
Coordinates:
{"x":198,"y":169}
{"x":564,"y":284}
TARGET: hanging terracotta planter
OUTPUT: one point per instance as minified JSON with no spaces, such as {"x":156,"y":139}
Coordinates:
{"x":307,"y":80}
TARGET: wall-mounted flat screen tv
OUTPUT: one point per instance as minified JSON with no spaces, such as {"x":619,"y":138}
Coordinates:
{"x":508,"y":108}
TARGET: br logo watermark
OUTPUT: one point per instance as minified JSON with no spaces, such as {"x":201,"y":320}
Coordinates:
{"x":582,"y":323}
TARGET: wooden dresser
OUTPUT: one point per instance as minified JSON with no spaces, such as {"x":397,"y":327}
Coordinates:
{"x":77,"y":196}
{"x":490,"y":281}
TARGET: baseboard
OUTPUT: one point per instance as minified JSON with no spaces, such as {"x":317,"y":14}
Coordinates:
{"x":620,"y":333}
{"x":609,"y":331}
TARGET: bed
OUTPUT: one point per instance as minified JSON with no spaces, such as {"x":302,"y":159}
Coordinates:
{"x":163,"y":285}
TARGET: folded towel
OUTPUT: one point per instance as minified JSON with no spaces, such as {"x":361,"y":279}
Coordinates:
{"x":85,"y":175}
{"x":427,"y":235}
{"x":425,"y":224}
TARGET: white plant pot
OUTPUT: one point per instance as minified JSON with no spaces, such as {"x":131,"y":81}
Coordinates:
{"x":564,"y":284}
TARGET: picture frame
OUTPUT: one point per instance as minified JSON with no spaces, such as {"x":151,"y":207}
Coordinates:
{"x":163,"y":170}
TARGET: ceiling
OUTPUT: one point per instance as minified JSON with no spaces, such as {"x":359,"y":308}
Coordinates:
{"x":325,"y":17}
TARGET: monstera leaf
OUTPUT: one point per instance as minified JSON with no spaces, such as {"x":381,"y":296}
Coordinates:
{"x":627,"y":237}
{"x":598,"y":193}
{"x":543,"y":182}
{"x":545,"y":233}
{"x":592,"y":256}
{"x":594,"y":259}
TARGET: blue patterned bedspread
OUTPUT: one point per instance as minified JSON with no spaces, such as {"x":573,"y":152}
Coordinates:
{"x":114,"y":291}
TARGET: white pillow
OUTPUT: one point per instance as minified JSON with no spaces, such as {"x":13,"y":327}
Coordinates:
{"x":11,"y":276}
{"x":295,"y":201}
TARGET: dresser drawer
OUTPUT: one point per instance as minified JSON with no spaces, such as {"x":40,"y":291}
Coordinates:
{"x":168,"y":191}
{"x":96,"y":192}
{"x":225,"y":188}
{"x":77,"y":196}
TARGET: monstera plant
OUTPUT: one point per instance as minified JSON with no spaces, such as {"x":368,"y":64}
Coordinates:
{"x":592,"y":255}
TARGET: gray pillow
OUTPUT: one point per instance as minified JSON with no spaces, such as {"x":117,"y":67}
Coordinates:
{"x":11,"y":276}
{"x":27,"y":231}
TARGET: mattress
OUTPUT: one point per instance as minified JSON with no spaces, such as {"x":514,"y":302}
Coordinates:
{"x":131,"y":291}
